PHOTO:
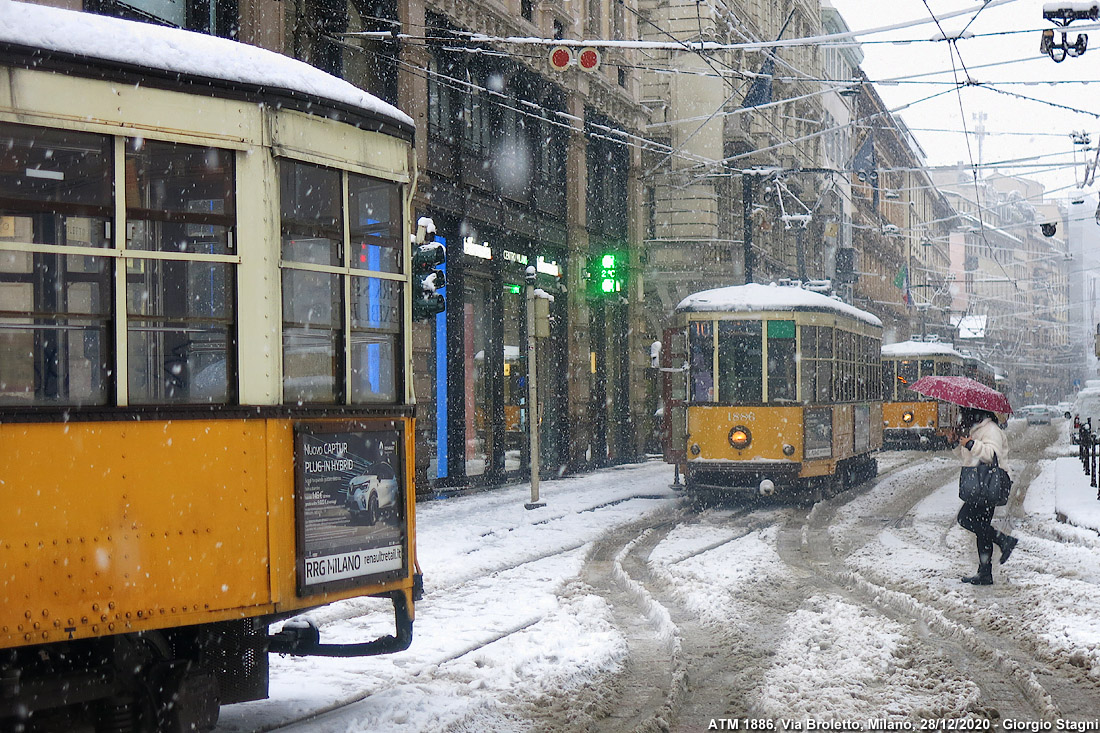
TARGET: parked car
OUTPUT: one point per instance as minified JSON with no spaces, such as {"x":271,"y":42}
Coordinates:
{"x":1036,"y":414}
{"x":1086,"y":407}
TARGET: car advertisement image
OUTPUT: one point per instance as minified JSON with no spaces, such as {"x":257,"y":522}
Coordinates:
{"x":350,"y":500}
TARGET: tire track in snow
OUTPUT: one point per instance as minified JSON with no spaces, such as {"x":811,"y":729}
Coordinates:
{"x":978,"y":655}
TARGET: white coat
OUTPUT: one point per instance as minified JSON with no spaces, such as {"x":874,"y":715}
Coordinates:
{"x":988,"y":439}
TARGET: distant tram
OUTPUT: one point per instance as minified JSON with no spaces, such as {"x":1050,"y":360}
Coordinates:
{"x":782,"y":394}
{"x":206,"y":413}
{"x":980,"y":371}
{"x":912,"y":420}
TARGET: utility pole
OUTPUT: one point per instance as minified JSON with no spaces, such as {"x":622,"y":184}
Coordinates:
{"x":538,"y":326}
{"x":746,"y":203}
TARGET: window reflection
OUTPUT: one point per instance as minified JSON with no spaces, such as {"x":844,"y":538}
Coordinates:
{"x":179,"y":198}
{"x":55,"y":186}
{"x":375,"y":329}
{"x":375,"y":223}
{"x":55,"y":189}
{"x":701,"y":343}
{"x":180,"y":313}
{"x":311,"y":222}
{"x":313,"y":319}
{"x":740,"y":361}
{"x":55,"y":337}
{"x":179,"y":321}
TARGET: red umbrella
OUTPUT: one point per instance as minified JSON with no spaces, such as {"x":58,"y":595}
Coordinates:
{"x":962,"y":391}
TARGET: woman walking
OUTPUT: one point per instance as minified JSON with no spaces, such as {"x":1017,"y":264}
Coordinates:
{"x":980,"y":440}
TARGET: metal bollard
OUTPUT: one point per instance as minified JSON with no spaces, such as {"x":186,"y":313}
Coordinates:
{"x":1093,"y":449}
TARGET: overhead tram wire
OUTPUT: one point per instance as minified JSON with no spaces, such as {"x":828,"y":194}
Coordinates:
{"x":954,"y":50}
{"x":645,"y":143}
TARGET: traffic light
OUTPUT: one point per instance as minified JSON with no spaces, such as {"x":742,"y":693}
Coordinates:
{"x":427,"y":279}
{"x":608,"y":274}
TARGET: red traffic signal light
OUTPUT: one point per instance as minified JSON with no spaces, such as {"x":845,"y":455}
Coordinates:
{"x":589,"y":59}
{"x":561,"y":57}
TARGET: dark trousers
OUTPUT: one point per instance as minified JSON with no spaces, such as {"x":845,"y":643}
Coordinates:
{"x":977,"y":518}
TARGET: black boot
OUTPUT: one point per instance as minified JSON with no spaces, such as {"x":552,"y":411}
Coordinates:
{"x":1006,"y":543}
{"x":985,"y":572}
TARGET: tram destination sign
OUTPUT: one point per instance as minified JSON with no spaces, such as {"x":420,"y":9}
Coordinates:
{"x":349,"y":494}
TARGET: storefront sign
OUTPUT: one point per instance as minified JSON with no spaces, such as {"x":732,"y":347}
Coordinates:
{"x":472,"y":248}
{"x":349,"y":492}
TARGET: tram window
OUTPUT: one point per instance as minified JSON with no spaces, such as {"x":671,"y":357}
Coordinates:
{"x":56,"y":186}
{"x":781,"y":361}
{"x":825,"y":342}
{"x":179,"y":198}
{"x":889,"y":377}
{"x":180,"y":313}
{"x":740,"y":361}
{"x":943,"y":369}
{"x":55,"y":189}
{"x":313,"y":323}
{"x":179,"y":331}
{"x":375,"y":327}
{"x":375,"y":223}
{"x":807,"y":360}
{"x":61,"y":356}
{"x":701,"y":343}
{"x":927,"y":368}
{"x":907,"y":374}
{"x":312,"y":222}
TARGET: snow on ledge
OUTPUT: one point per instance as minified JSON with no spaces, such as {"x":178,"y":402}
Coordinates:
{"x":179,"y":51}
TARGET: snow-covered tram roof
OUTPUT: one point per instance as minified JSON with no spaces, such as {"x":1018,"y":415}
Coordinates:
{"x":755,"y":297}
{"x":919,"y":348}
{"x":84,"y":44}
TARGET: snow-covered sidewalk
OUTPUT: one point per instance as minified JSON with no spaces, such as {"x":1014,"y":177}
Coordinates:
{"x":1075,"y":500}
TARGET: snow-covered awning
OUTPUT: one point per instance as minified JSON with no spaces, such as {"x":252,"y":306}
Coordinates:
{"x":48,"y":38}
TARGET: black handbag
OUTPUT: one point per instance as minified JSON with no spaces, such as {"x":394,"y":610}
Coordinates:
{"x":987,"y":484}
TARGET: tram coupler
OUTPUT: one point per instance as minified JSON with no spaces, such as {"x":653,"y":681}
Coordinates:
{"x":302,"y":638}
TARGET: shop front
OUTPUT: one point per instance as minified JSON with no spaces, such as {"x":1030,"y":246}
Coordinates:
{"x":479,"y":354}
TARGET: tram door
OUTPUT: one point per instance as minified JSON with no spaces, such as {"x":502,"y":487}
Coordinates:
{"x":674,"y":396}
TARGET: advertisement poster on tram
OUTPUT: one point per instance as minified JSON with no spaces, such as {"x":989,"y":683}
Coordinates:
{"x":350,"y":501}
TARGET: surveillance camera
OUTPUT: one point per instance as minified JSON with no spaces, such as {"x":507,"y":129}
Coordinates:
{"x":1049,"y":229}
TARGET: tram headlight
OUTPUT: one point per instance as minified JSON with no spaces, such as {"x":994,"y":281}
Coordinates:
{"x":740,"y":437}
{"x":695,"y":449}
{"x":907,"y":417}
{"x":788,"y":450}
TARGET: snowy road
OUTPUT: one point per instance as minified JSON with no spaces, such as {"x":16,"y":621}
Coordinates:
{"x":616,"y":608}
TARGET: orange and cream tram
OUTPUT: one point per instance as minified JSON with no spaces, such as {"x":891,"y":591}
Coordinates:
{"x":912,"y":420}
{"x":980,"y":371}
{"x":781,"y":393}
{"x":206,"y":418}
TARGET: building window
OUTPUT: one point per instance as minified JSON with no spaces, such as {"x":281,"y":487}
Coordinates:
{"x":330,"y":357}
{"x":527,"y":9}
{"x":213,"y":17}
